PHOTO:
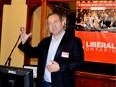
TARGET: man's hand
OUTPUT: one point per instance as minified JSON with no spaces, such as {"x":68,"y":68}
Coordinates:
{"x":23,"y":35}
{"x":54,"y":67}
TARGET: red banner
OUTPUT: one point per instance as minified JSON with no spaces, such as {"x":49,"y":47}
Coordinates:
{"x":98,"y":46}
{"x":96,"y":4}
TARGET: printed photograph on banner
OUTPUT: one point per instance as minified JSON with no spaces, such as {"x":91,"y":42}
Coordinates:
{"x":96,"y":16}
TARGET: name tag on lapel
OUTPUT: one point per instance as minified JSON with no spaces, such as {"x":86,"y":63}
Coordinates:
{"x":65,"y":54}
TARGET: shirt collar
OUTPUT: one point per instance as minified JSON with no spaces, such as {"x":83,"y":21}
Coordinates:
{"x":60,"y":36}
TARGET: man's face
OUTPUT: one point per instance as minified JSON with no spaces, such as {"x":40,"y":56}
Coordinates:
{"x":55,"y":24}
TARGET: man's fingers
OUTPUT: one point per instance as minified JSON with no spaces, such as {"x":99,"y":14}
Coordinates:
{"x":53,"y":62}
{"x":23,"y":35}
{"x":29,"y":34}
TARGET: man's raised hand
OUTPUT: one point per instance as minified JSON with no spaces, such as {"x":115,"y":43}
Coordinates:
{"x":23,"y":35}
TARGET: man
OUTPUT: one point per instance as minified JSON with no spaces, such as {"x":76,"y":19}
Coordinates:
{"x":79,"y":24}
{"x":107,"y":20}
{"x":59,"y":54}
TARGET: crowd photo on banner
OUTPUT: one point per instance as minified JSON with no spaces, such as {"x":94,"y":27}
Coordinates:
{"x":96,"y":19}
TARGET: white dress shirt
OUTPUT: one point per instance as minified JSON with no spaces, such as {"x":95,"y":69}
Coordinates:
{"x":51,"y":54}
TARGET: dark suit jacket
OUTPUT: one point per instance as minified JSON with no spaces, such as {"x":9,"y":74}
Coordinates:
{"x":107,"y":22}
{"x":66,"y":76}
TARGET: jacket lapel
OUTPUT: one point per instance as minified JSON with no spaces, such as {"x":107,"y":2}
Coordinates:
{"x":46,"y":49}
{"x":61,"y":45}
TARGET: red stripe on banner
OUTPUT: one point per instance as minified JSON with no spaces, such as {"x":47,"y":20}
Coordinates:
{"x":88,"y":5}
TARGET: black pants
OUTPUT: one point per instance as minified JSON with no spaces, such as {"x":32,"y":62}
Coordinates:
{"x":46,"y":84}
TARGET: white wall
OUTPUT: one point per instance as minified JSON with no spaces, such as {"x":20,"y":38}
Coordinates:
{"x":14,"y":16}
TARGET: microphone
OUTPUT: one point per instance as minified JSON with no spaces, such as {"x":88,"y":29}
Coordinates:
{"x":9,"y":57}
{"x":22,"y":28}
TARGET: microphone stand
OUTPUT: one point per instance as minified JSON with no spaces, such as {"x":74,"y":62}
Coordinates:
{"x":9,"y":57}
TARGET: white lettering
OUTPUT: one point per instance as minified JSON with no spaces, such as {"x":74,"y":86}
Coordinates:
{"x":100,"y":45}
{"x":100,"y":49}
{"x":12,"y":72}
{"x":103,"y":45}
